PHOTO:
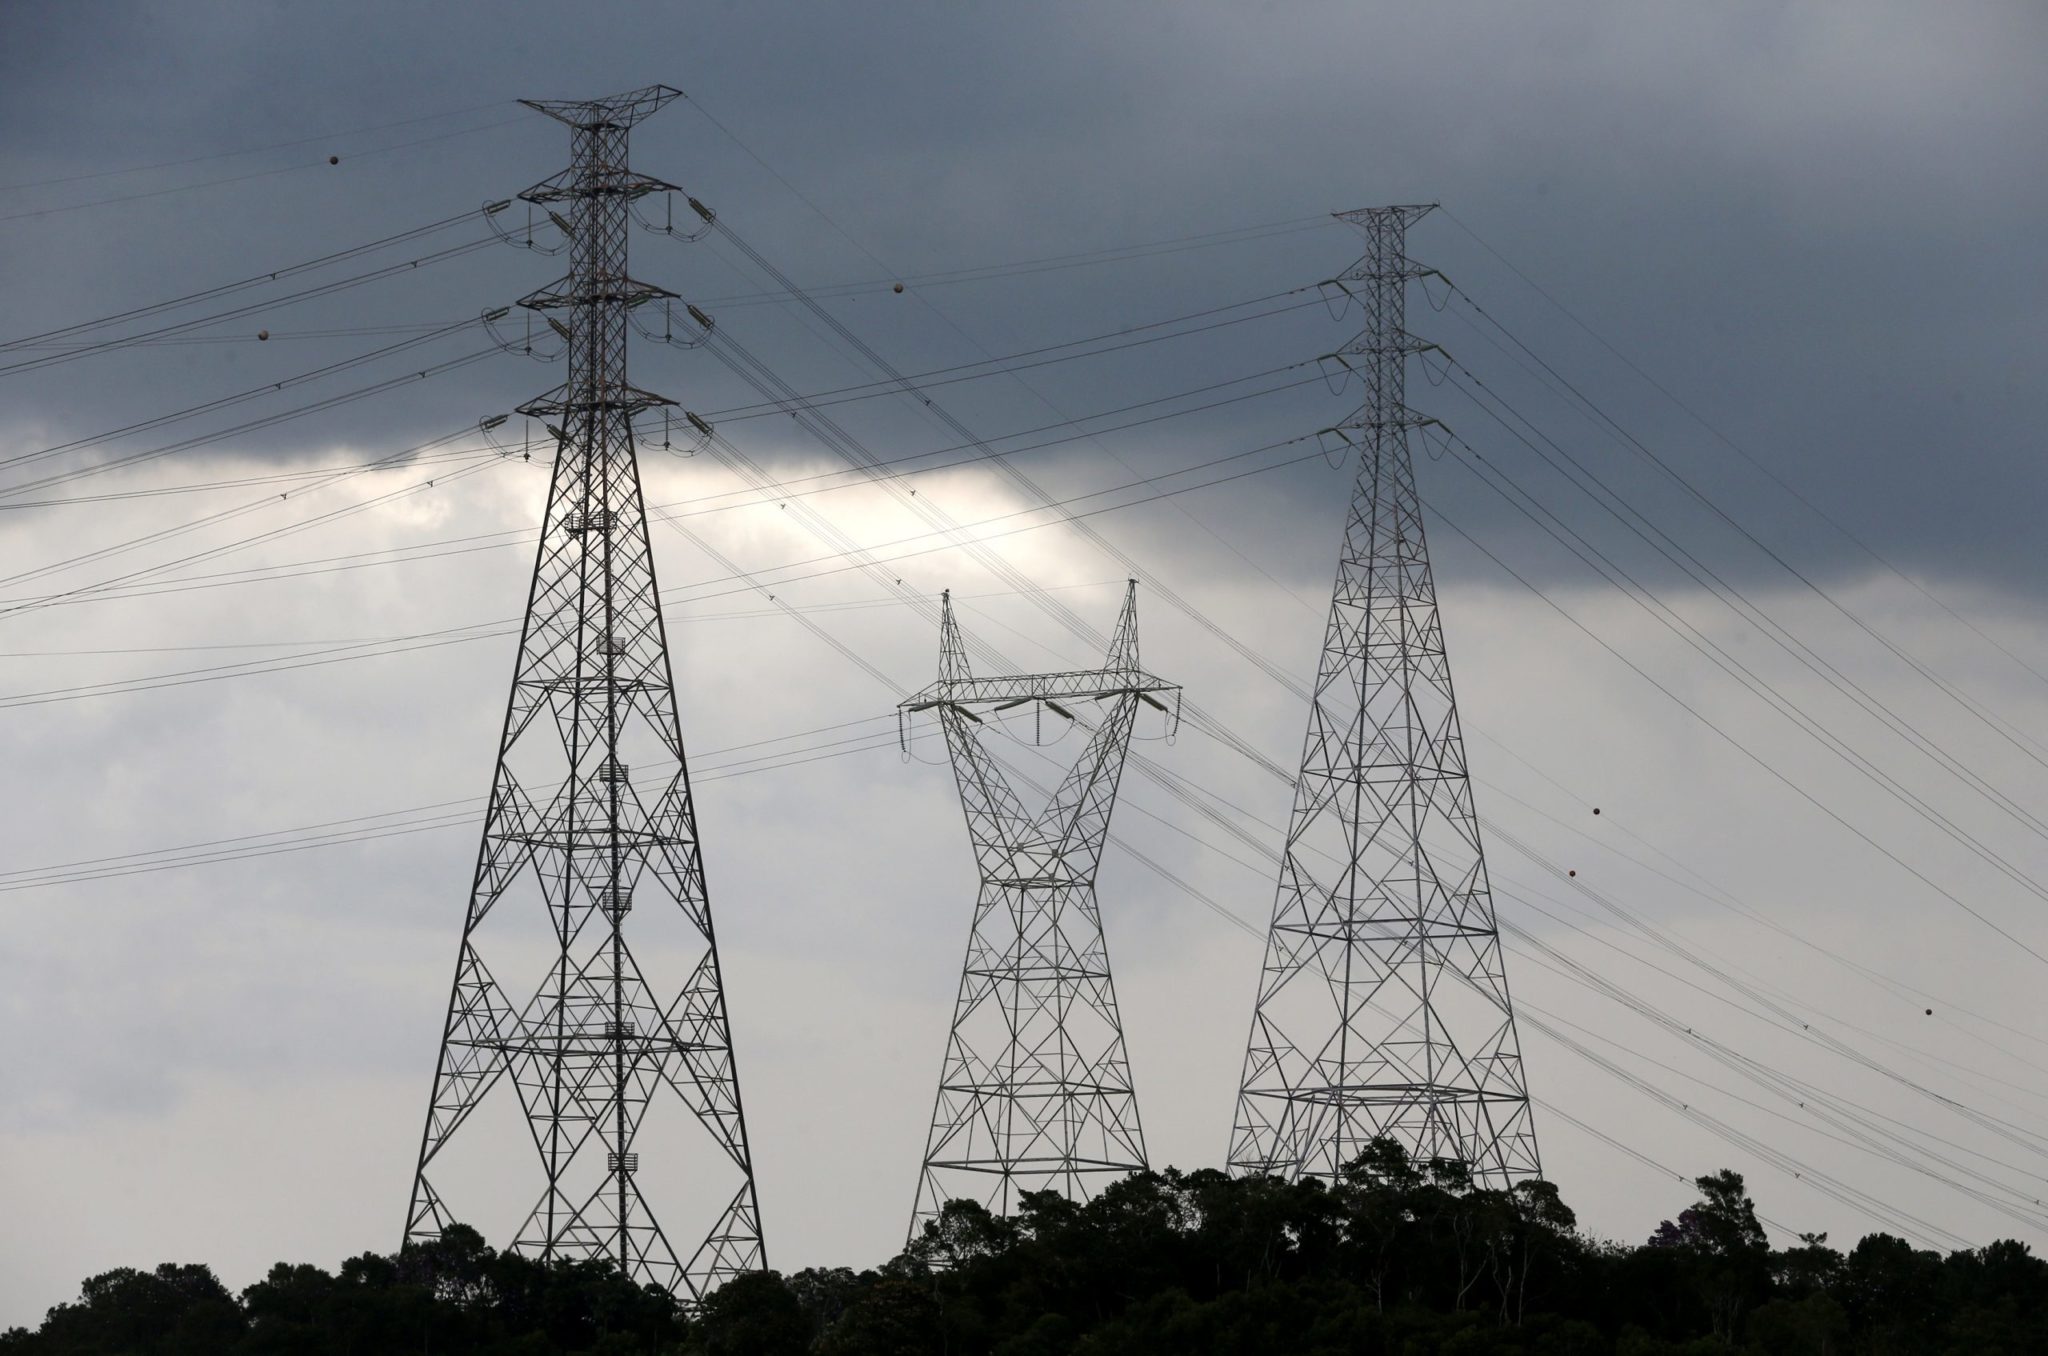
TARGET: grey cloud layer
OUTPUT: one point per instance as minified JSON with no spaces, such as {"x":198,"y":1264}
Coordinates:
{"x":1819,"y":223}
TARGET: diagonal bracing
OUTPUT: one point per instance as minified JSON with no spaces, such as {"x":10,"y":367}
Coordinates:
{"x":1383,"y":1004}
{"x":1035,"y":1093}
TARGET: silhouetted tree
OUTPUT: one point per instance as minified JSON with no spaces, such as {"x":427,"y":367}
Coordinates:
{"x":1394,"y":1259}
{"x":176,"y":1309}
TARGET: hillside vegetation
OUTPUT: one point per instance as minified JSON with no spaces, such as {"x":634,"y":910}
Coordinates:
{"x":1398,"y":1259}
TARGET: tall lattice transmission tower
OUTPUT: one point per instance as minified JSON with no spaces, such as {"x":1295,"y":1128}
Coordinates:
{"x":590,"y":840}
{"x":1035,"y":1092}
{"x":1383,"y":1003}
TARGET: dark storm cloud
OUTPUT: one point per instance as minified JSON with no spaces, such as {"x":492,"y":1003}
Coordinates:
{"x":1818,"y":223}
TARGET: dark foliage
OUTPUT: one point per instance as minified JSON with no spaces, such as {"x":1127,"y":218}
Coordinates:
{"x":453,"y":1296}
{"x":1399,"y":1259}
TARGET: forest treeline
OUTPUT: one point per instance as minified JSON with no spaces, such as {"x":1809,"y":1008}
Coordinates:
{"x":1399,"y":1258}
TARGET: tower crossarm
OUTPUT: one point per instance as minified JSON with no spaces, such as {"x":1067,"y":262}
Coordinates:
{"x":566,"y":403}
{"x":614,"y":112}
{"x":617,"y":291}
{"x":600,"y":179}
{"x":1362,"y":345}
{"x":1016,"y":690}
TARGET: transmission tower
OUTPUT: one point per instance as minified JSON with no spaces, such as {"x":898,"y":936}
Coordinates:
{"x":1035,"y":1093}
{"x":591,"y":835}
{"x":1383,"y":1004}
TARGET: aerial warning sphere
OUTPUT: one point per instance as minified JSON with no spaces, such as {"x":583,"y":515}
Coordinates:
{"x":263,"y":334}
{"x":334,"y":160}
{"x":1930,"y":1012}
{"x":899,"y":287}
{"x":1596,"y":809}
{"x":1571,"y":873}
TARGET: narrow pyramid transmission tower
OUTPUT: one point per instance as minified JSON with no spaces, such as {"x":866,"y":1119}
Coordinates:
{"x":1383,"y":1004}
{"x":591,"y":834}
{"x":1035,"y":1093}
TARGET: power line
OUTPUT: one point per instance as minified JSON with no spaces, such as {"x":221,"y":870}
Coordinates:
{"x":1762,"y":467}
{"x":1743,"y":749}
{"x":313,"y":473}
{"x":456,"y":635}
{"x":782,"y":279}
{"x":325,"y":138}
{"x":239,"y":312}
{"x":744,"y":614}
{"x":253,"y":174}
{"x":1772,"y":627}
{"x":250,"y":426}
{"x":104,"y":585}
{"x":1009,"y":363}
{"x":239,"y":285}
{"x":826,"y":318}
{"x":1722,"y":899}
{"x":242,"y":397}
{"x":785,"y":279}
{"x":781,"y":491}
{"x":1600,"y":563}
{"x":1739,"y":1063}
{"x":937,"y":452}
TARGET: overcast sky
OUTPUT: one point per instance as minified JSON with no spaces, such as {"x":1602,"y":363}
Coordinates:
{"x":1816,"y":226}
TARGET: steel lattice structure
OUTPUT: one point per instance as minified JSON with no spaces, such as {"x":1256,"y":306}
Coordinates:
{"x":1383,"y":1003}
{"x":1035,"y":1092}
{"x":591,"y":822}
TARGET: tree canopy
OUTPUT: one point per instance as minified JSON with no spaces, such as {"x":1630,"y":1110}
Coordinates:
{"x":1397,"y":1258}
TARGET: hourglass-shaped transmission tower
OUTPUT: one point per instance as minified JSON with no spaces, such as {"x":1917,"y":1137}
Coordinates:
{"x":1035,"y":1093}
